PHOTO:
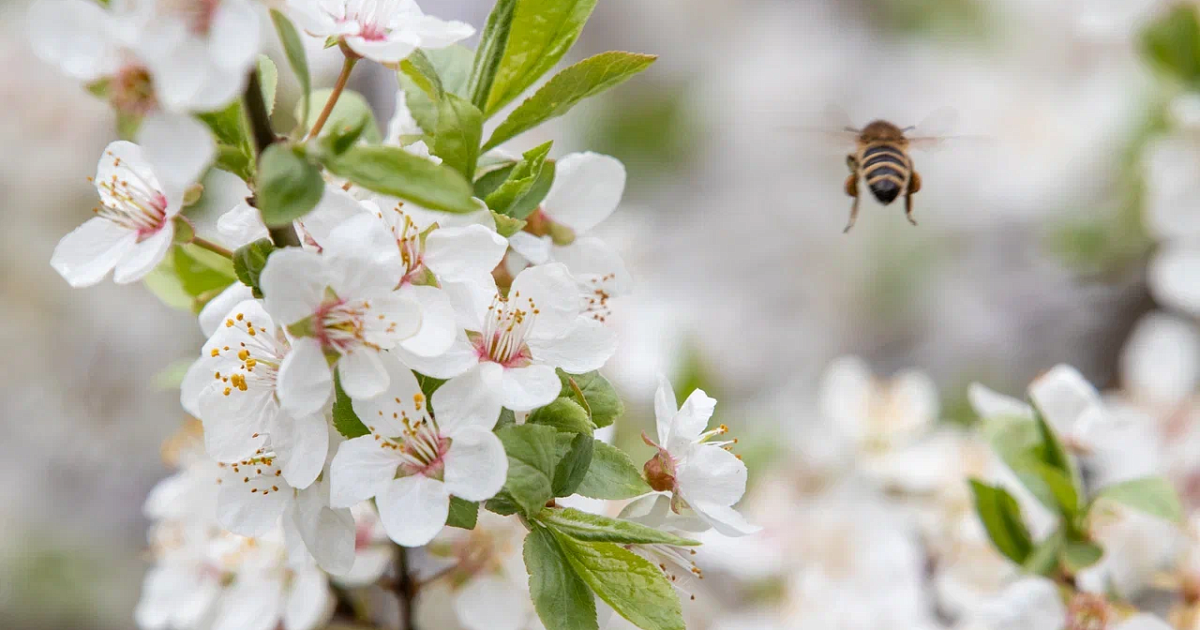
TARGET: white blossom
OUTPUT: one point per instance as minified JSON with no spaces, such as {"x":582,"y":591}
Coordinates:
{"x":386,"y":31}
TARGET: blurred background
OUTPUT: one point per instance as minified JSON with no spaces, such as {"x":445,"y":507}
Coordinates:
{"x":1035,"y":248}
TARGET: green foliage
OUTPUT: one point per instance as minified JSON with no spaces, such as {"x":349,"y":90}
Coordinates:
{"x":507,"y":226}
{"x":595,"y":528}
{"x":394,"y":171}
{"x":1172,"y":43}
{"x":600,"y":396}
{"x":459,"y":131}
{"x":517,"y":195}
{"x":427,"y":75}
{"x":541,"y":32}
{"x":189,"y":277}
{"x":1001,"y":518}
{"x":344,"y":419}
{"x":612,"y":475}
{"x":288,"y":185}
{"x":249,"y":260}
{"x":1043,"y":560}
{"x":235,"y":152}
{"x":293,"y":48}
{"x":350,"y":112}
{"x":1078,"y":555}
{"x":564,"y":414}
{"x":268,"y":78}
{"x":573,"y":465}
{"x":1152,"y":495}
{"x":492,"y":44}
{"x":531,"y":461}
{"x":561,"y":598}
{"x":634,"y":587}
{"x":575,"y":83}
{"x":463,"y":514}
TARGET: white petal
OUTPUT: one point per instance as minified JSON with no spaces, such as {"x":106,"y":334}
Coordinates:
{"x":384,"y":51}
{"x":476,"y":465}
{"x":361,"y":469}
{"x":214,"y":313}
{"x":250,"y":513}
{"x":335,"y":208}
{"x":725,"y":520}
{"x":391,"y":319}
{"x":1064,"y":397}
{"x":691,"y":420}
{"x":553,"y":292}
{"x":309,"y":603}
{"x":457,"y":359}
{"x":88,"y":253}
{"x":313,"y":18}
{"x":302,"y":444}
{"x":1172,"y":277}
{"x":989,"y":404}
{"x":595,"y":262}
{"x":471,"y":300}
{"x":456,"y":254}
{"x":401,"y":397}
{"x":913,"y":402}
{"x":179,"y":148}
{"x":304,"y":381}
{"x":402,"y":122}
{"x":365,"y":236}
{"x":587,"y":188}
{"x":1160,"y":359}
{"x":1170,"y":164}
{"x":665,"y":408}
{"x":293,"y":284}
{"x":123,"y":161}
{"x":234,"y":36}
{"x":1027,"y":604}
{"x":490,"y":602}
{"x":253,"y":602}
{"x":362,"y":373}
{"x":242,"y":225}
{"x":526,"y":388}
{"x":74,"y":35}
{"x":235,"y":423}
{"x":436,"y":33}
{"x":584,"y":347}
{"x":143,"y":257}
{"x":198,"y":377}
{"x":438,"y":325}
{"x":327,"y":533}
{"x":711,"y":474}
{"x":535,"y":249}
{"x":468,"y":400}
{"x":413,"y":509}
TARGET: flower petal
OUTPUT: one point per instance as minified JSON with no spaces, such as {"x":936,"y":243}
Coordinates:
{"x":456,"y":254}
{"x":91,"y":250}
{"x":302,"y":444}
{"x":293,"y":284}
{"x":1172,"y":274}
{"x":552,"y":291}
{"x":413,"y":509}
{"x":304,"y":380}
{"x":438,"y":328}
{"x":476,"y":465}
{"x":309,"y":602}
{"x":596,"y":264}
{"x":234,"y":38}
{"x":389,"y":50}
{"x":989,"y":404}
{"x":362,"y":373}
{"x":216,"y":311}
{"x":587,"y":188}
{"x":1160,"y":359}
{"x":241,"y":225}
{"x":846,"y":396}
{"x":197,"y":378}
{"x":534,"y":249}
{"x":468,"y":401}
{"x":253,"y":602}
{"x":250,"y":513}
{"x":362,"y":468}
{"x":457,"y":359}
{"x":178,"y":148}
{"x":526,"y":388}
{"x":400,"y":398}
{"x":586,"y":346}
{"x":335,"y":208}
{"x":327,"y":533}
{"x":432,"y":32}
{"x":725,"y":520}
{"x":75,"y":36}
{"x":665,"y":408}
{"x":235,"y":423}
{"x":144,"y":256}
{"x":1064,"y":397}
{"x":490,"y":602}
{"x":711,"y":474}
{"x":690,"y":421}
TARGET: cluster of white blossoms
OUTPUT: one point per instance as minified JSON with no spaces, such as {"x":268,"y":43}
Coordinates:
{"x":403,"y":331}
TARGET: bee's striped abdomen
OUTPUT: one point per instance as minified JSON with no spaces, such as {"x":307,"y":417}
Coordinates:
{"x":886,"y":169}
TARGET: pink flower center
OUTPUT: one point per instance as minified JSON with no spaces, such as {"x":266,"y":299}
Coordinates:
{"x":132,"y":200}
{"x":506,"y":329}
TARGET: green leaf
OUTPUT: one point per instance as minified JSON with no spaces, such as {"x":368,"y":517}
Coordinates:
{"x":463,"y":513}
{"x":1080,"y":554}
{"x":195,"y":277}
{"x":350,"y":112}
{"x":612,"y":475}
{"x":1043,"y":560}
{"x":212,"y":260}
{"x":344,"y":419}
{"x":1152,"y":495}
{"x":235,"y":160}
{"x":1066,"y":496}
{"x":1018,"y":442}
{"x":575,"y":83}
{"x":1053,"y":452}
{"x":164,"y":283}
{"x":421,"y":70}
{"x":249,"y":261}
{"x":596,"y":528}
{"x":393,"y":171}
{"x":602,"y":398}
{"x":521,"y":179}
{"x":542,"y":32}
{"x":488,"y":182}
{"x":507,"y":226}
{"x":563,"y":414}
{"x":228,"y":125}
{"x":634,"y":587}
{"x":507,"y":419}
{"x":491,"y":50}
{"x":531,"y":457}
{"x":268,"y":78}
{"x":293,"y":48}
{"x":561,"y":598}
{"x":529,"y":202}
{"x":502,"y":504}
{"x":1172,"y":43}
{"x":459,"y":131}
{"x":340,"y":139}
{"x":429,"y":384}
{"x":572,"y":467}
{"x":288,"y":185}
{"x":427,"y":74}
{"x":1001,"y":517}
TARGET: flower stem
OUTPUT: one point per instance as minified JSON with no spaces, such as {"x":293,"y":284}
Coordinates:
{"x":212,"y":247}
{"x":260,"y":120}
{"x":347,"y":66}
{"x":406,"y":590}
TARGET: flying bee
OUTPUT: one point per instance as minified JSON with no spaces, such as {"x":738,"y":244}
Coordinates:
{"x":881,"y":159}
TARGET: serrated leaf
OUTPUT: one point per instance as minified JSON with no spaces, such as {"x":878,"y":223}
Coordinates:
{"x":1152,"y":495}
{"x":463,"y":514}
{"x":561,"y":598}
{"x":572,"y":467}
{"x":490,"y":51}
{"x":542,"y":31}
{"x":293,"y":49}
{"x":268,"y":78}
{"x":596,"y":528}
{"x":459,"y":131}
{"x":249,"y":261}
{"x":350,"y":112}
{"x":1078,"y":555}
{"x":394,"y":171}
{"x":1001,"y":517}
{"x":531,"y":460}
{"x":288,"y":185}
{"x":344,"y":419}
{"x":612,"y":475}
{"x":601,"y":396}
{"x":563,"y":414}
{"x":1043,"y":560}
{"x":575,"y":83}
{"x":630,"y":584}
{"x":502,"y":504}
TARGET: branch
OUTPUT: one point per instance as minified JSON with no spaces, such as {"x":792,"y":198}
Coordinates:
{"x":406,"y":590}
{"x":264,"y":136}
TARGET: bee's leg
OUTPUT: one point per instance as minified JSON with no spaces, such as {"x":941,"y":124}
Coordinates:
{"x":914,"y":186}
{"x":852,"y":190}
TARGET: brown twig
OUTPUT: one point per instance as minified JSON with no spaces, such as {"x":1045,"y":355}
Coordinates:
{"x":264,"y":136}
{"x":406,"y":590}
{"x":347,"y":66}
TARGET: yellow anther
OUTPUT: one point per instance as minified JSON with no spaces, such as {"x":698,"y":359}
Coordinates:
{"x":239,"y":316}
{"x":215,"y":352}
{"x":243,"y":354}
{"x":229,"y":323}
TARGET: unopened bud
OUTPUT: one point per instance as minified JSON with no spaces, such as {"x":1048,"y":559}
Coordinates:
{"x":192,"y":194}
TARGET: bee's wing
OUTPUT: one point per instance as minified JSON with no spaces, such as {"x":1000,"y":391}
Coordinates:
{"x":935,"y":132}
{"x":833,"y":130}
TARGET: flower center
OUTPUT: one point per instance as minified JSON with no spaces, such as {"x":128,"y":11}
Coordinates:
{"x":506,"y":330}
{"x":596,"y":296}
{"x":258,"y":473}
{"x":133,"y":90}
{"x":410,"y":245}
{"x":1088,"y":612}
{"x":133,"y":203}
{"x":197,"y":14}
{"x":340,"y":324}
{"x":422,"y":448}
{"x":374,"y":17}
{"x":260,"y":358}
